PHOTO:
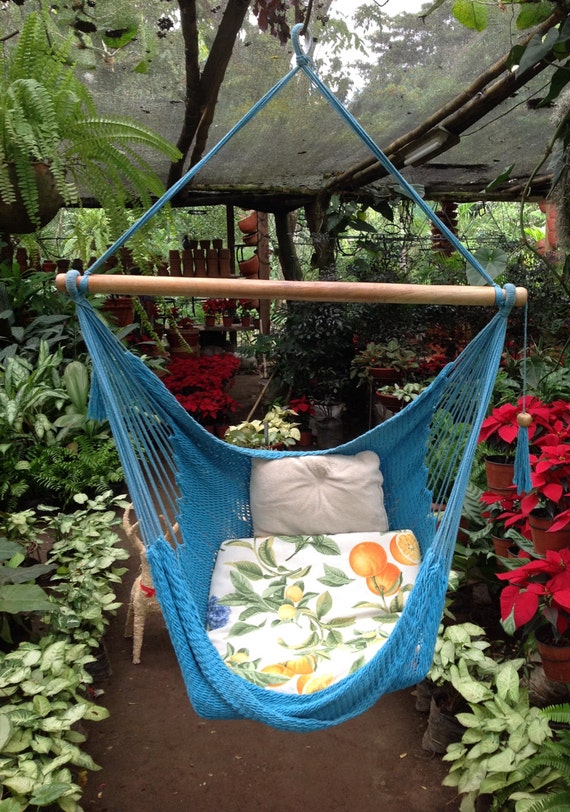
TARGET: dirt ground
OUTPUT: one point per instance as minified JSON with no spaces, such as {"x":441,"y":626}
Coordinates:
{"x":156,"y":755}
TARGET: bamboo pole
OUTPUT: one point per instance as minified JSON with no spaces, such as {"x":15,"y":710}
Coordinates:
{"x":293,"y":291}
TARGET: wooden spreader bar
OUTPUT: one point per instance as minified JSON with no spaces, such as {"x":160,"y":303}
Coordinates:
{"x":244,"y":288}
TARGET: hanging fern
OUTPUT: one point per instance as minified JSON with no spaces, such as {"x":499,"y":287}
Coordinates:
{"x":47,"y":115}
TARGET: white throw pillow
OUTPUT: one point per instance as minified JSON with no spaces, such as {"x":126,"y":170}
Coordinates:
{"x":307,"y":495}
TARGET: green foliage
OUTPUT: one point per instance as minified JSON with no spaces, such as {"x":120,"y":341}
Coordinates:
{"x":44,"y":699}
{"x":85,"y":551}
{"x":48,"y":115}
{"x":313,"y":354}
{"x":545,"y":782}
{"x":89,"y":464}
{"x":502,"y":732}
{"x":276,"y":429}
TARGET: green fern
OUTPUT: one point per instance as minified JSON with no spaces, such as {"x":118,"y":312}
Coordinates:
{"x":546,"y":773}
{"x":83,"y":466}
{"x":47,"y":115}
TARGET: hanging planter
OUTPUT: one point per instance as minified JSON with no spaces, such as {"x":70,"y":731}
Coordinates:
{"x":384,"y":375}
{"x":248,"y":225}
{"x":14,"y":217}
{"x":249,"y":267}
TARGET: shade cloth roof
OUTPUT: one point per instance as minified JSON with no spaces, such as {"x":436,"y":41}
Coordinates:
{"x":298,"y":146}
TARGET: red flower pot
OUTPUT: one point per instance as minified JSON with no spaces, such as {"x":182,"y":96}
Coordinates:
{"x":543,"y":539}
{"x":555,"y":657}
{"x":247,"y":225}
{"x":499,"y":475}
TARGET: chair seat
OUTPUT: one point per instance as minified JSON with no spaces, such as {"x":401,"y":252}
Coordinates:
{"x":296,"y":614}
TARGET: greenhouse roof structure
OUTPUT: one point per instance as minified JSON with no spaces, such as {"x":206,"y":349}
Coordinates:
{"x":439,"y":99}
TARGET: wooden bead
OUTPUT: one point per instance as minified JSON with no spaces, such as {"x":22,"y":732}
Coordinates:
{"x":524,"y":419}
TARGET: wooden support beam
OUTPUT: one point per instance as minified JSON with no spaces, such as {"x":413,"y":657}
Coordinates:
{"x":319,"y":291}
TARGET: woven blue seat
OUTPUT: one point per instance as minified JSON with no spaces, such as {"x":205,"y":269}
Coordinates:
{"x":176,"y":469}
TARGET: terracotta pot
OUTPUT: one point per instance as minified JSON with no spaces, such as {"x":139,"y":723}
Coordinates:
{"x":14,"y":217}
{"x":174,"y":263}
{"x":191,"y":339}
{"x":249,"y":267}
{"x":306,"y":440}
{"x":555,"y":658}
{"x":501,"y":546}
{"x":390,"y":402}
{"x":246,"y":321}
{"x":543,"y":539}
{"x":251,"y":239}
{"x":247,"y":225}
{"x":120,"y":309}
{"x":210,"y":321}
{"x":499,"y":475}
{"x":48,"y":266}
{"x":385,"y":374}
{"x":227,"y":321}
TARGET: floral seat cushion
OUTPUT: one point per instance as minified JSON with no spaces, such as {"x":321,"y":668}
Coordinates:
{"x":298,"y":613}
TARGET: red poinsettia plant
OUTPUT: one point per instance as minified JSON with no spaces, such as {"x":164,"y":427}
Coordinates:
{"x":303,"y":408}
{"x":499,"y":430}
{"x":550,"y":472}
{"x":199,"y":385}
{"x":538,"y":595}
{"x":212,"y":307}
{"x":504,"y":512}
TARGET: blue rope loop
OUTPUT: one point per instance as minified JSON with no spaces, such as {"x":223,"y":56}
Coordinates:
{"x":75,"y":291}
{"x":303,"y":56}
{"x":505,"y":298}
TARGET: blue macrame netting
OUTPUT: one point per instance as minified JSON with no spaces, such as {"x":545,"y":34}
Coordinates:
{"x":176,"y":471}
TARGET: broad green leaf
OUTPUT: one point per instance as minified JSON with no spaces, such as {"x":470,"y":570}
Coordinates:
{"x":502,"y":762}
{"x":531,"y":14}
{"x":5,"y":730}
{"x":471,"y":14}
{"x":41,"y":705}
{"x":266,"y":553}
{"x":493,"y":260}
{"x":325,"y":545}
{"x":249,"y":568}
{"x":508,"y":683}
{"x":16,"y":598}
{"x":44,"y":796}
{"x":536,"y":50}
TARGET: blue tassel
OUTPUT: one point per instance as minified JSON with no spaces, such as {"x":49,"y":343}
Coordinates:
{"x":522,"y":477}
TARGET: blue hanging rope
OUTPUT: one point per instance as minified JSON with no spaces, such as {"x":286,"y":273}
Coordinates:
{"x":304,"y":61}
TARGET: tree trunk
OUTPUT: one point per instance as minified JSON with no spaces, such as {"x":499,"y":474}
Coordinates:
{"x":202,"y":90}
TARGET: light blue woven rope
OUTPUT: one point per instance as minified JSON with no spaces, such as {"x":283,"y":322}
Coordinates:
{"x":175,"y":469}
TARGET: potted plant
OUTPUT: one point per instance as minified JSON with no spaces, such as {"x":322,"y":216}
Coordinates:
{"x":499,"y":433}
{"x":537,"y":600}
{"x":394,"y":397}
{"x":276,"y":430}
{"x":547,"y":506}
{"x":182,"y":335}
{"x":385,"y":362}
{"x":502,"y":513}
{"x":212,"y":310}
{"x":52,"y":139}
{"x":305,"y":410}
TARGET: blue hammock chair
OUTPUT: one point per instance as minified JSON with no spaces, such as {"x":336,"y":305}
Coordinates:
{"x":177,"y":472}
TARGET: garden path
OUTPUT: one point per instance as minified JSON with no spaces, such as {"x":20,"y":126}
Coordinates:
{"x":158,"y":756}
